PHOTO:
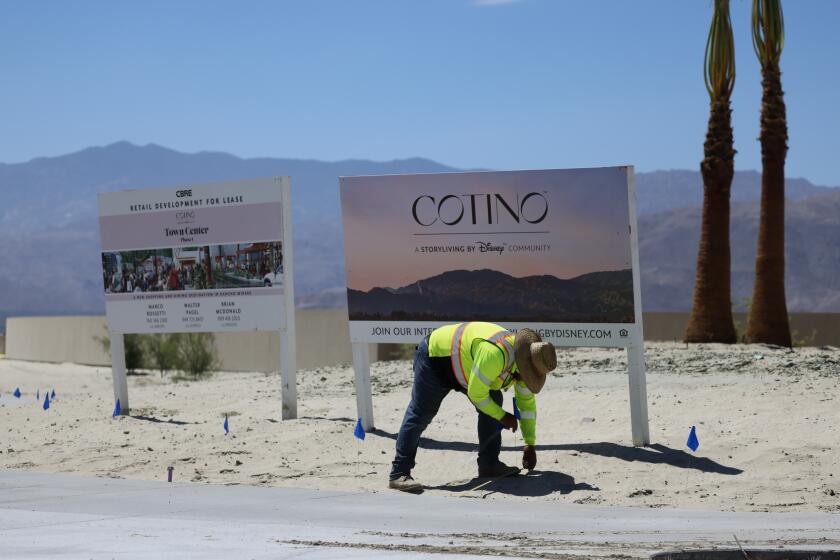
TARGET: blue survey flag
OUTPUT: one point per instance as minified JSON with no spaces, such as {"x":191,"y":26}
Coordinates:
{"x":17,"y":392}
{"x":516,"y":410}
{"x":693,"y":443}
{"x":359,"y":432}
{"x":52,"y":395}
{"x":226,"y":425}
{"x":46,"y":402}
{"x":117,"y":409}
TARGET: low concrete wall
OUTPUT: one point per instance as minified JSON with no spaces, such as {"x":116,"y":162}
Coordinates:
{"x":56,"y":339}
{"x":807,"y":329}
{"x":323,"y":339}
{"x":815,"y":329}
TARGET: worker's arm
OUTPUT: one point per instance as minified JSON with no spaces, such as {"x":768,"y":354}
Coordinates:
{"x":526,"y":402}
{"x":488,"y":363}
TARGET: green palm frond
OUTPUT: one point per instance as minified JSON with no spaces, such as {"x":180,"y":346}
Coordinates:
{"x":768,"y":30}
{"x":719,"y":63}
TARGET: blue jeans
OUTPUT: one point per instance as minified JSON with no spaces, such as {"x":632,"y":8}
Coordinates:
{"x":433,"y":379}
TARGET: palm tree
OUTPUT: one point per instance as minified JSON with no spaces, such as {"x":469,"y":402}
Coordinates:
{"x":768,"y":321}
{"x":711,"y":311}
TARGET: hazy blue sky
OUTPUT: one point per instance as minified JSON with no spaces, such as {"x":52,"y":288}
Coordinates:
{"x":494,"y":84}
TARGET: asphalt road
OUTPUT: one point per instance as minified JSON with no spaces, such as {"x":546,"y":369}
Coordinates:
{"x":64,"y":516}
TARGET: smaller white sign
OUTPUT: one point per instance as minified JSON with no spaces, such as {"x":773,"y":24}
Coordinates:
{"x":196,"y":258}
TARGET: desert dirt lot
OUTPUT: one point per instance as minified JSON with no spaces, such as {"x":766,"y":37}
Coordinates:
{"x":767,"y":422}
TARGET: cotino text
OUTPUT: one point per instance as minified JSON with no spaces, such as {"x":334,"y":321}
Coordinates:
{"x":485,"y":208}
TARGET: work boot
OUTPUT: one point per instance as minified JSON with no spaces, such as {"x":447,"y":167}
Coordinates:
{"x":497,"y":470}
{"x":406,"y":484}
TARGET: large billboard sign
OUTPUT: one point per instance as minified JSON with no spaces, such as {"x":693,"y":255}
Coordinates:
{"x":195,"y":258}
{"x":552,"y":250}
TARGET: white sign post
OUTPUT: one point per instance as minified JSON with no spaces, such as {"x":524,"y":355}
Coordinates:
{"x":364,"y":398}
{"x":118,"y":371}
{"x":288,"y":341}
{"x":214,"y":257}
{"x":636,"y":349}
{"x":555,"y":251}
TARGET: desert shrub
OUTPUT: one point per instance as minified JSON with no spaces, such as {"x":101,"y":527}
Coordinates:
{"x":133,"y":345}
{"x":161,"y":351}
{"x":196,"y":355}
{"x":800,"y":341}
{"x":134,"y":357}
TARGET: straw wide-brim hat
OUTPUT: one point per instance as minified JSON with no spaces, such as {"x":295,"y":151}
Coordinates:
{"x":534,"y":358}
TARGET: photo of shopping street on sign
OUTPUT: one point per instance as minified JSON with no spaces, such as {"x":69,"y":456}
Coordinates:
{"x":211,"y":267}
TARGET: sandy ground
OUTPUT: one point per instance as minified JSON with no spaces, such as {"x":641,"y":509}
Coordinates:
{"x":767,"y":421}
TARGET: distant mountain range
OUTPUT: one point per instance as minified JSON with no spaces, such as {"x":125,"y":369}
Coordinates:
{"x":599,"y":297}
{"x":662,"y":191}
{"x":49,"y":230}
{"x":49,"y":239}
{"x":668,"y":252}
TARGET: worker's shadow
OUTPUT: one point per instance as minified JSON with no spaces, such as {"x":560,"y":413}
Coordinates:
{"x":534,"y":484}
{"x":654,"y":453}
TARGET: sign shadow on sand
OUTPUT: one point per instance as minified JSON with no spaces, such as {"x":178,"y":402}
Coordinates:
{"x":654,"y":453}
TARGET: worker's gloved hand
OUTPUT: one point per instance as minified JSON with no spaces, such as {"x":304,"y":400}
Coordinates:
{"x":509,"y":422}
{"x":529,"y":457}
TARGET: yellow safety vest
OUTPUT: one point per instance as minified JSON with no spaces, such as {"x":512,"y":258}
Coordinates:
{"x":456,"y":341}
{"x":479,"y":369}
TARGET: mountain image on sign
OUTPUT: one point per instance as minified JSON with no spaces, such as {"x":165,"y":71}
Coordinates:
{"x":596,"y":297}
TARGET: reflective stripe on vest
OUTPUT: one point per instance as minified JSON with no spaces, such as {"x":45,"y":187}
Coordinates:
{"x":499,"y":339}
{"x":460,"y":374}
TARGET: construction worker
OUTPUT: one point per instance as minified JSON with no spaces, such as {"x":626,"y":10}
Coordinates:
{"x":481,"y":360}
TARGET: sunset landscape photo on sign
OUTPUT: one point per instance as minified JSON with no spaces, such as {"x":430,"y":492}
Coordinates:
{"x":546,"y":246}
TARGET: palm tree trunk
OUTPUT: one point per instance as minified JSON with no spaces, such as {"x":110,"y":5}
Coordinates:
{"x":768,"y":320}
{"x":711,"y":312}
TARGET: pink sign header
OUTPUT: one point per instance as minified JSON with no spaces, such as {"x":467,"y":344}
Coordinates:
{"x":199,"y":226}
